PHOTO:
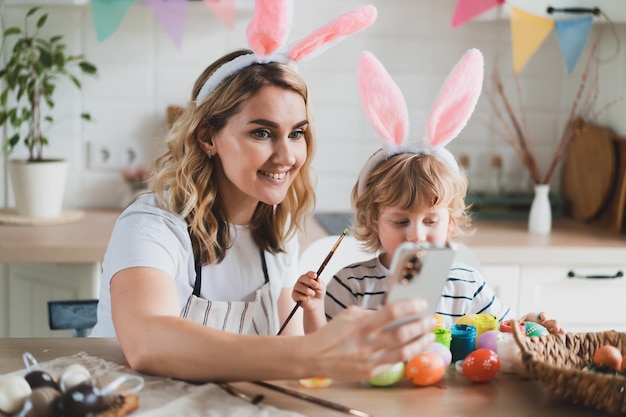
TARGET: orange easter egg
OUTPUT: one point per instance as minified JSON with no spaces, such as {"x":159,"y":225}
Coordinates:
{"x":608,"y":355}
{"x":425,"y":368}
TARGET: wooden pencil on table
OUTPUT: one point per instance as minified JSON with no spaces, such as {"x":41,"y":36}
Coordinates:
{"x":319,"y":271}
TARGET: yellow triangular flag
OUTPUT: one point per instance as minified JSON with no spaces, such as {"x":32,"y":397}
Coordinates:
{"x":528,"y":32}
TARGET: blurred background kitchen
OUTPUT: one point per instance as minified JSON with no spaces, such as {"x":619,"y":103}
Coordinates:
{"x":143,"y":71}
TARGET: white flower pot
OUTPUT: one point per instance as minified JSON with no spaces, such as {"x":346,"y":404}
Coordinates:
{"x":39,"y":187}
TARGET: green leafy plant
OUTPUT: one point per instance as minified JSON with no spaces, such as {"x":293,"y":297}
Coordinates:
{"x":32,"y":71}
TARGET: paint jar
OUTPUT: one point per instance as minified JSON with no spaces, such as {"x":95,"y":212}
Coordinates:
{"x":463,"y":341}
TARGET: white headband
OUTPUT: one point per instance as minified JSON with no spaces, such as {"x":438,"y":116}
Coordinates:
{"x":268,"y":30}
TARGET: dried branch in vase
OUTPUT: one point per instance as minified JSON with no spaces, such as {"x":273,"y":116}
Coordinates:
{"x":513,"y":129}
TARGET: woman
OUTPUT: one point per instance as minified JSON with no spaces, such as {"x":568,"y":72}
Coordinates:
{"x":198,"y":275}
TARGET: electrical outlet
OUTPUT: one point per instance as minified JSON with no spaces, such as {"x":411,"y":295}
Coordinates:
{"x":130,"y":155}
{"x":112,"y":156}
{"x":102,"y":156}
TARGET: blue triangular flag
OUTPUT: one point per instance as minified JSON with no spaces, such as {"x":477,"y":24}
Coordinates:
{"x":573,"y":35}
{"x":107,"y":16}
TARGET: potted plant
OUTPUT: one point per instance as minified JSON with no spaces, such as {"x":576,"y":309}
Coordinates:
{"x":29,"y":78}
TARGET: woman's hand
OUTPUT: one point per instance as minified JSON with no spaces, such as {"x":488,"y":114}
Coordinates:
{"x":551,"y":325}
{"x":356,"y":345}
{"x":310,"y":292}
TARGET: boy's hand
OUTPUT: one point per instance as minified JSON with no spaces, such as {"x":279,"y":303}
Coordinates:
{"x":309,"y":292}
{"x":551,"y":325}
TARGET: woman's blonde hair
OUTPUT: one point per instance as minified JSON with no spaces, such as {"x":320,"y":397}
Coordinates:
{"x":185,"y":179}
{"x":409,"y":181}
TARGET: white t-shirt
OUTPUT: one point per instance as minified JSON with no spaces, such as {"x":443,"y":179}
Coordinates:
{"x":147,"y":236}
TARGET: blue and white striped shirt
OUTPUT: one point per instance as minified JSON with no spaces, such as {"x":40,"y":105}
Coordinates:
{"x":364,"y":284}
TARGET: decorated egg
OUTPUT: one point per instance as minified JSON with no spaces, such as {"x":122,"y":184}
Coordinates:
{"x":75,"y":374}
{"x":441,"y":350}
{"x":388,"y":377}
{"x":14,"y":390}
{"x":317,"y":382}
{"x":38,"y":378}
{"x":535,"y":329}
{"x":608,"y":355}
{"x":508,"y":352}
{"x":43,"y":401}
{"x":425,"y":368}
{"x":488,"y":340}
{"x":481,"y":365}
{"x":82,"y":400}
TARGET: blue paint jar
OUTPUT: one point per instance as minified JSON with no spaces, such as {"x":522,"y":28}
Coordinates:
{"x":463,"y":341}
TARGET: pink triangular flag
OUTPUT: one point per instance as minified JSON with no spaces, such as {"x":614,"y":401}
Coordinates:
{"x":171,"y":16}
{"x":224,"y":10}
{"x":468,"y":9}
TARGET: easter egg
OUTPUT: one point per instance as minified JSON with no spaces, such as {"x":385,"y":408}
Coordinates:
{"x":441,"y":350}
{"x":317,"y":382}
{"x":388,"y":377}
{"x":481,"y":365}
{"x":43,"y":401}
{"x":535,"y":329}
{"x":488,"y":340}
{"x":14,"y":390}
{"x":425,"y":368}
{"x":82,"y":400}
{"x":75,"y":374}
{"x":38,"y":379}
{"x":608,"y":355}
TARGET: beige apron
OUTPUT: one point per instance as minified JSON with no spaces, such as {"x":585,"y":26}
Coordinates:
{"x":243,"y":317}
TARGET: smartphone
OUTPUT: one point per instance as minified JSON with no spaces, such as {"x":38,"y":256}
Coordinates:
{"x":419,"y":270}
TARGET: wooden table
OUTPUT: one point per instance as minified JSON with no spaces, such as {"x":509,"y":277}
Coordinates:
{"x":506,"y":395}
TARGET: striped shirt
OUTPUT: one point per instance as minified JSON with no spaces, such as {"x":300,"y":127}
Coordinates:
{"x":364,"y":284}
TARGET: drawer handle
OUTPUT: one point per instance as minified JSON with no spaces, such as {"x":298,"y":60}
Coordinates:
{"x":573,"y":274}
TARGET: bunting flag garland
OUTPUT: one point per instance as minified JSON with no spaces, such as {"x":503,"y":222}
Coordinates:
{"x":468,"y":9}
{"x":107,"y":16}
{"x":527,"y":34}
{"x":224,"y":10}
{"x":572,"y":36}
{"x":171,"y":16}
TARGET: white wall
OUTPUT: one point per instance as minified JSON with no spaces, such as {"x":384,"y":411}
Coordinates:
{"x":142,"y":72}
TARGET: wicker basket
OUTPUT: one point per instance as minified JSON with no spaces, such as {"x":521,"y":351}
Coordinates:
{"x":557,"y":361}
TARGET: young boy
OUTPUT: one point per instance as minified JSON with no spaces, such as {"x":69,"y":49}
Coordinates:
{"x":409,"y":193}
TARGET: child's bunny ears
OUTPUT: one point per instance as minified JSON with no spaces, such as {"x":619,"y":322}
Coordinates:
{"x":269,"y":29}
{"x":386,"y":109}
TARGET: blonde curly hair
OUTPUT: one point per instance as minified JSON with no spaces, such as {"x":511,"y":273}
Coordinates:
{"x":410,"y":181}
{"x":185,"y":181}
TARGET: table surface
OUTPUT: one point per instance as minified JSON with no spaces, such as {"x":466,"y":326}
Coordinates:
{"x":507,"y":394}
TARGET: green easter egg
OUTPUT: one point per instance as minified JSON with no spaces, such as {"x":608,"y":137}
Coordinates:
{"x":389,"y":377}
{"x":535,"y":329}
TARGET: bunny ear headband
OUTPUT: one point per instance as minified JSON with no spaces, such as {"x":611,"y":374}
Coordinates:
{"x":386,"y":110}
{"x":268,"y":31}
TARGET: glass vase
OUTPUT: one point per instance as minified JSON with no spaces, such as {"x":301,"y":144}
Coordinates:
{"x":540,"y":216}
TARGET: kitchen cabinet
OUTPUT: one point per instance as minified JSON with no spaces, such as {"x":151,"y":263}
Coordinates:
{"x":533,"y":273}
{"x":52,"y":262}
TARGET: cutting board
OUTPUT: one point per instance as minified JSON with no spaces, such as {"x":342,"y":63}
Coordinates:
{"x":613,"y":216}
{"x":589,"y":172}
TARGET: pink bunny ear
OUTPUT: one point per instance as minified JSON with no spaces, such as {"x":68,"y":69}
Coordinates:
{"x":382,"y":100}
{"x":457,"y":99}
{"x":270,"y":26}
{"x":331,"y":33}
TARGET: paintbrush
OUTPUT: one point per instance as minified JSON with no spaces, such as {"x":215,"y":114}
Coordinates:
{"x":312,"y":399}
{"x":236,"y":393}
{"x":319,"y":271}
